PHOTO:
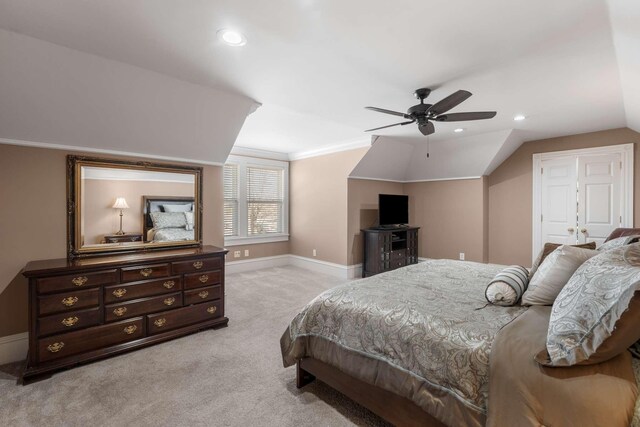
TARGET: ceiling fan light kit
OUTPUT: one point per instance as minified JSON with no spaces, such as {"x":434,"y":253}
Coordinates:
{"x":425,"y":114}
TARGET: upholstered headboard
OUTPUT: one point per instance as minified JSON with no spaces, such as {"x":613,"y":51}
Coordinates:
{"x":154,"y":203}
{"x":621,"y":232}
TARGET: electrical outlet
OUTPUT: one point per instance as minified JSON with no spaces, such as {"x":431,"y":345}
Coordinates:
{"x":236,"y":254}
{"x":246,"y":252}
{"x":315,"y":253}
{"x":461,"y":256}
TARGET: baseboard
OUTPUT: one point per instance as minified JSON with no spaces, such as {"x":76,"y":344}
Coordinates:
{"x":325,"y":267}
{"x":244,"y":265}
{"x":13,"y":348}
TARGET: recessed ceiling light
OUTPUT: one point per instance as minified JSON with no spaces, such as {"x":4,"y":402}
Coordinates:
{"x":519,"y":118}
{"x":231,"y":37}
{"x":458,"y":130}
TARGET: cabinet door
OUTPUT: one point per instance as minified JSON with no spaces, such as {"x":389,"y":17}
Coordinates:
{"x":599,"y":196}
{"x":558,"y":201}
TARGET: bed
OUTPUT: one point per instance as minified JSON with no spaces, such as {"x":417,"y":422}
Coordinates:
{"x":420,"y":346}
{"x":155,"y":204}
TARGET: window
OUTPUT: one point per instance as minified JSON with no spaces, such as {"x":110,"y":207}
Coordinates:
{"x":255,"y":200}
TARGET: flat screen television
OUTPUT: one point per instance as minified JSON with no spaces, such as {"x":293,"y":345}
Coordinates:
{"x":393,"y":209}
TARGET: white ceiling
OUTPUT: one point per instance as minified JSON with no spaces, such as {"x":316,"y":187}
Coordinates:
{"x":314,"y":64}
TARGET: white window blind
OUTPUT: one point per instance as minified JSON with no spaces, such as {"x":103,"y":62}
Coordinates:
{"x":255,"y":200}
{"x":264,"y":200}
{"x":231,"y":200}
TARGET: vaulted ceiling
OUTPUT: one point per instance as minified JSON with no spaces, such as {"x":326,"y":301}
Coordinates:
{"x":570,"y":66}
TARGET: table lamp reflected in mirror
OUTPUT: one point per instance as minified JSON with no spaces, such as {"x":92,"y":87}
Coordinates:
{"x":121,"y":204}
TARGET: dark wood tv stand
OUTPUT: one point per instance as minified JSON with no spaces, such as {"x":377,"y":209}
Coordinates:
{"x":389,"y":248}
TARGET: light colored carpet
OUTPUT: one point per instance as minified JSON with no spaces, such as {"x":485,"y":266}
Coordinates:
{"x":226,"y":377}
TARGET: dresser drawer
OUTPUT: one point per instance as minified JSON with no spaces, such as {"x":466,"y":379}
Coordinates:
{"x":196,"y":265}
{"x":76,"y":281}
{"x":398,"y":254}
{"x":196,"y":296}
{"x":146,"y":288}
{"x":140,"y":272}
{"x":142,"y":306}
{"x":199,"y":280}
{"x":157,"y":323}
{"x":66,"y":301}
{"x":63,"y":345}
{"x":68,"y":321}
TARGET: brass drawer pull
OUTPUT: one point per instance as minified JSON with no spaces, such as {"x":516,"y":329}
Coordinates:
{"x":130,"y":329}
{"x":169,"y":284}
{"x":119,"y":293}
{"x":203,"y":294}
{"x":203,"y":278}
{"x":79,"y":281}
{"x":198,"y":265}
{"x":69,"y":301}
{"x":169,"y":301}
{"x":55,"y":347}
{"x":70,"y":321}
{"x":212,"y":310}
{"x":146,"y":272}
{"x":160,"y":322}
{"x":120,"y":311}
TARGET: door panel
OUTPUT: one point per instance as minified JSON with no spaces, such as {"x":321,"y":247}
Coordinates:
{"x":599,"y":196}
{"x":559,"y":193}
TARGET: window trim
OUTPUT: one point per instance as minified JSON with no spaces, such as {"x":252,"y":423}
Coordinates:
{"x":243,"y":238}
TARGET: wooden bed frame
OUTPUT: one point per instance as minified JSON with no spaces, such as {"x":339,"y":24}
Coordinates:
{"x":147,"y":223}
{"x":393,"y":408}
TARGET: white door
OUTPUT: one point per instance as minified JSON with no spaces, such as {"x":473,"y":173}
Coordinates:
{"x":558,"y":202}
{"x":599,"y":196}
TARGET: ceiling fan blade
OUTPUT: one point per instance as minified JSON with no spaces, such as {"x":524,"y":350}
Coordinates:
{"x":427,"y":128}
{"x":388,"y":126}
{"x":393,"y":113}
{"x":449,"y":102}
{"x":460,"y":117}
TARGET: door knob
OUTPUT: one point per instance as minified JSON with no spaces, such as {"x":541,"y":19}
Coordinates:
{"x":571,"y":230}
{"x":583,"y":231}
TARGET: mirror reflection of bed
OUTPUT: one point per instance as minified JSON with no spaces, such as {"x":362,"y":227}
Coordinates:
{"x":168,"y":219}
{"x":127,"y":206}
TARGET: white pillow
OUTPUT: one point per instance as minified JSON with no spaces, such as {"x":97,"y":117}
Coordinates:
{"x":188,"y":216}
{"x":554,"y":272}
{"x":178,"y":208}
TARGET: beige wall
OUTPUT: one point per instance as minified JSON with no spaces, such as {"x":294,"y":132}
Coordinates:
{"x":451,"y":215}
{"x":33,"y":220}
{"x":510,"y":192}
{"x":362,"y":211}
{"x":318,"y":205}
{"x":258,"y":250}
{"x":98,"y":216}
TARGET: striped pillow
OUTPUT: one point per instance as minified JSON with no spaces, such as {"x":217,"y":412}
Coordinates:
{"x":508,"y":286}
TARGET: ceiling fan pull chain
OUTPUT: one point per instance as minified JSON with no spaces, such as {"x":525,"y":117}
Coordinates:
{"x":428,"y":146}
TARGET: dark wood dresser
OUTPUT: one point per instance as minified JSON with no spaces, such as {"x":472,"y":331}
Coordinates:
{"x":389,"y":248}
{"x":86,"y":309}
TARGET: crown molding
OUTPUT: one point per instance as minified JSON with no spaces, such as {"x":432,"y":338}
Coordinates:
{"x":345,"y":146}
{"x":34,"y":144}
{"x":413,"y":181}
{"x":261,"y":154}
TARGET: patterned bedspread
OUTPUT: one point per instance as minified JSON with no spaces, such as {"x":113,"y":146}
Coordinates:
{"x":427,"y":321}
{"x":172,"y":235}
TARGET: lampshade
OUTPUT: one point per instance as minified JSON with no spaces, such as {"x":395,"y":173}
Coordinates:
{"x":120,"y":203}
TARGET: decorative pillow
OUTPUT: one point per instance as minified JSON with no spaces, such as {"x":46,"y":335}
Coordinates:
{"x":620,"y":241}
{"x":590,"y":306}
{"x":550,"y":247}
{"x":507,"y":287}
{"x":554,"y":273}
{"x":168,"y":220}
{"x":188,"y":216}
{"x":178,"y":208}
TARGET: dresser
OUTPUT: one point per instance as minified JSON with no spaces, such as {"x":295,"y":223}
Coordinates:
{"x":86,"y":309}
{"x":389,"y":248}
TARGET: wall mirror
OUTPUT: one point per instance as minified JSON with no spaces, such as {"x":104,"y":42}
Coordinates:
{"x":118,"y":206}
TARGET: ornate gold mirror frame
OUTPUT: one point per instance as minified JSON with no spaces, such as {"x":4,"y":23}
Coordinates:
{"x":75,"y":247}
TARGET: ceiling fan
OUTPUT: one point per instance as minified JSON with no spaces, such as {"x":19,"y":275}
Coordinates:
{"x":426,"y":114}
